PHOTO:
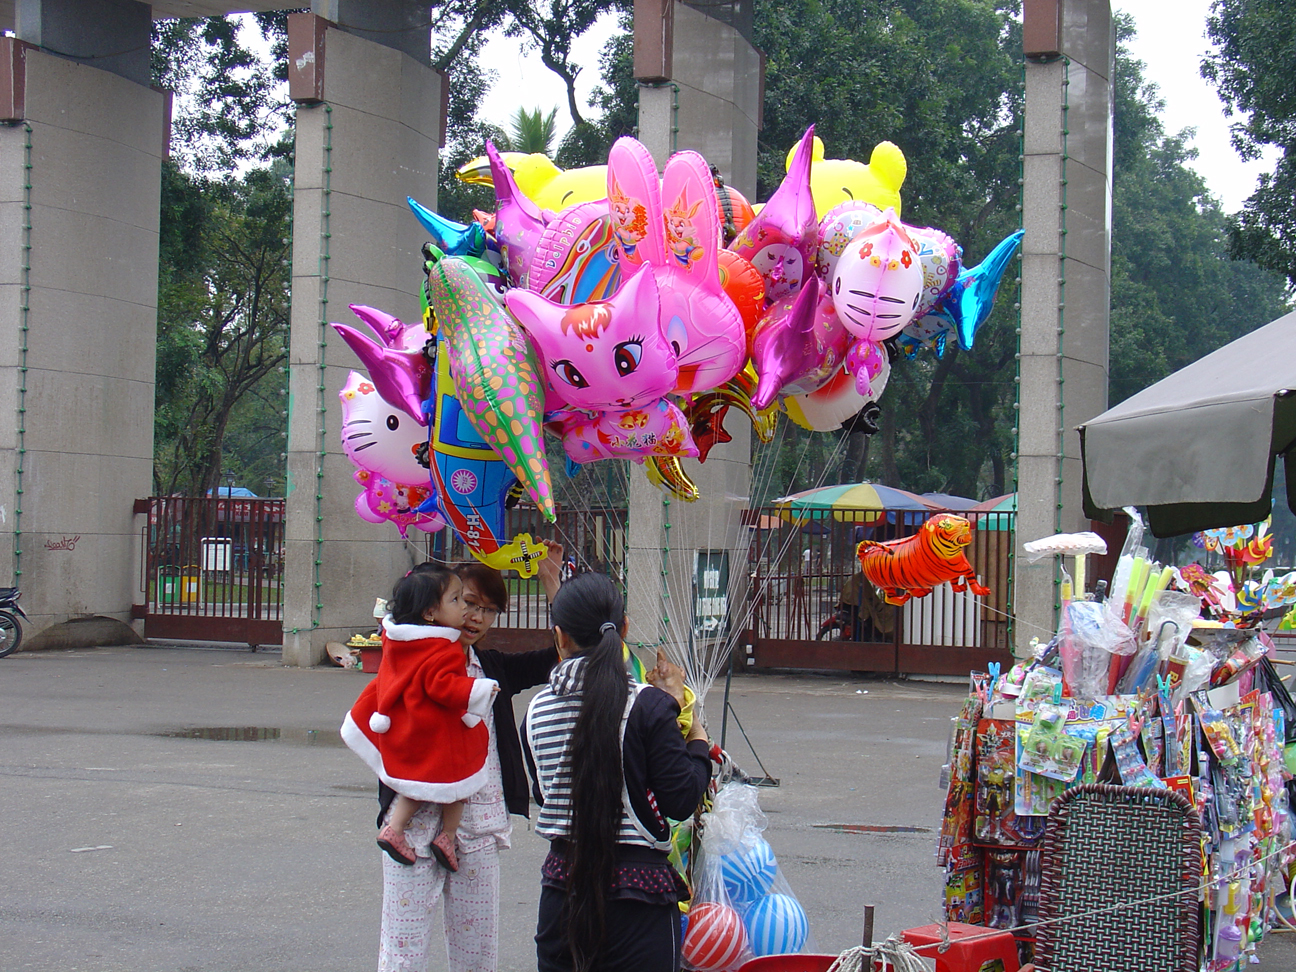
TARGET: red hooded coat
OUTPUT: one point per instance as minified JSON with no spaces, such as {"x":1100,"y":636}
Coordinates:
{"x":418,"y":725}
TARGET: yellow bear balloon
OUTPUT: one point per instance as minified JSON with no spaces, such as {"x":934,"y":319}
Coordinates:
{"x":833,"y":181}
{"x":546,"y":185}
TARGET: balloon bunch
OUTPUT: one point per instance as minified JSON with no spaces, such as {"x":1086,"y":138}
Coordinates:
{"x":628,"y":312}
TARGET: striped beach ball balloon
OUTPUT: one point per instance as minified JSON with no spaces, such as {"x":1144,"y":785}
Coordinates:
{"x":749,"y":872}
{"x":777,"y":925}
{"x":715,"y":939}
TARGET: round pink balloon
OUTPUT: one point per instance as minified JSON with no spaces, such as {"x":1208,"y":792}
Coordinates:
{"x":843,"y":223}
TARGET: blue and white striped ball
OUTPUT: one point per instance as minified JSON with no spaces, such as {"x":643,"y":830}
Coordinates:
{"x":776,"y":925}
{"x":748,"y":873}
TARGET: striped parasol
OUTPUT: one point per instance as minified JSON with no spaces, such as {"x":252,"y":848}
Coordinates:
{"x":1001,"y":508}
{"x":852,"y":502}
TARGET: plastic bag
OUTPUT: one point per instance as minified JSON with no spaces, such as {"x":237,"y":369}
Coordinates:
{"x":1132,"y":548}
{"x":742,"y":905}
{"x":1169,"y":625}
{"x":1091,"y":633}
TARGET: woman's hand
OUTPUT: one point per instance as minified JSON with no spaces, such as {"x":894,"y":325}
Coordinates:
{"x":549,"y":569}
{"x":668,"y":677}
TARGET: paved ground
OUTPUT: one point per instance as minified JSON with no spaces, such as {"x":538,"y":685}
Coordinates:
{"x":132,"y":848}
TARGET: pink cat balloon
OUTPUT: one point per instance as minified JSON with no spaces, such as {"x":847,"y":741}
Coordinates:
{"x":781,"y":241}
{"x":674,"y":227}
{"x":601,"y":355}
{"x":878,"y":280}
{"x":383,"y":442}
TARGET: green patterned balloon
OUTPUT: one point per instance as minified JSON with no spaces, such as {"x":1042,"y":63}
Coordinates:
{"x":495,"y":373}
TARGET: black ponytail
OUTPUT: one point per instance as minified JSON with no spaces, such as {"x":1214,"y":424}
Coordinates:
{"x":591,"y":611}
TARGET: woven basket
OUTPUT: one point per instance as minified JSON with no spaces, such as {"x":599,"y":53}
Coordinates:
{"x":1109,"y":845}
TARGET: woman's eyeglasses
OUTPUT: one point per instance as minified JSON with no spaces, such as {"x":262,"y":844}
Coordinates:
{"x":484,"y":611}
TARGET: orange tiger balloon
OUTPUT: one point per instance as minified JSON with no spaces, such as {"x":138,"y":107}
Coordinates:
{"x":912,"y":567}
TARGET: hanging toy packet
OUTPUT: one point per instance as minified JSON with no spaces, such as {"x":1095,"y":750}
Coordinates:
{"x":1047,"y":749}
{"x":743,"y":907}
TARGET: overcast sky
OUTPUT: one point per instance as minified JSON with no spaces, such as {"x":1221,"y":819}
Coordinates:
{"x":1171,"y":42}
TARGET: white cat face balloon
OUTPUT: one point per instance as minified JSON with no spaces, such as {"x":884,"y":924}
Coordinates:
{"x":378,"y":436}
{"x":878,"y":280}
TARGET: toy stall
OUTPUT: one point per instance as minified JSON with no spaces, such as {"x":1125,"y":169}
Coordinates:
{"x":1155,"y":714}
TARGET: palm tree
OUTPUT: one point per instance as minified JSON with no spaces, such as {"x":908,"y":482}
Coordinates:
{"x":531,"y":132}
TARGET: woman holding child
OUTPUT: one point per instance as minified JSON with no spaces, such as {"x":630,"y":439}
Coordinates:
{"x":468,"y":880}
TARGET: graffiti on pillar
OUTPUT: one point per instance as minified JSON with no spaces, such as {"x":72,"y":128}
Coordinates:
{"x":65,"y":543}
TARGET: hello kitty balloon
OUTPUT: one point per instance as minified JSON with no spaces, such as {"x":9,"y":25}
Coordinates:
{"x":878,"y":280}
{"x":384,"y":443}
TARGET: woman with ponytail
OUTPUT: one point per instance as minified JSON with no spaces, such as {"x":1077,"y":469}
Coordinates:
{"x":610,"y":767}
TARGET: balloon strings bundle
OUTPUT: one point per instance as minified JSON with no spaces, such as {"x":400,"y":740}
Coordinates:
{"x":893,"y":954}
{"x":703,"y":654}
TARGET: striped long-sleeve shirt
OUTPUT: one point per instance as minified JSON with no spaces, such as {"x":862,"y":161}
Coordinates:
{"x":662,"y":776}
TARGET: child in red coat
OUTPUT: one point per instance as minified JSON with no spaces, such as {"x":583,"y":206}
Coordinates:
{"x":419,"y":723}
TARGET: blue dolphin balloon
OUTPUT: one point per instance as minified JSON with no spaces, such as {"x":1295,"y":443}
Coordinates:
{"x":454,"y":239}
{"x":968,"y":303}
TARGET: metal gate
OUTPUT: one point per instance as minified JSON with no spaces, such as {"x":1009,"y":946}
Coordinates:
{"x":593,"y":539}
{"x":800,"y":568}
{"x":213,"y":569}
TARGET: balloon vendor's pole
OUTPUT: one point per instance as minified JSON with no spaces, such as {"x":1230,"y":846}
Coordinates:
{"x":724,"y":718}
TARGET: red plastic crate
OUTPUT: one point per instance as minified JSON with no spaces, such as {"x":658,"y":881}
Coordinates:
{"x":369,"y":659}
{"x":973,"y":948}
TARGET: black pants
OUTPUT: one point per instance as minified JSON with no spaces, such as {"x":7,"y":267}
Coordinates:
{"x":638,"y":937}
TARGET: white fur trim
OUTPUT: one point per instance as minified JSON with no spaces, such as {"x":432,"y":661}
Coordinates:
{"x":417,"y":632}
{"x":481,"y":696}
{"x":379,"y":723}
{"x":470,"y":720}
{"x":414,"y":789}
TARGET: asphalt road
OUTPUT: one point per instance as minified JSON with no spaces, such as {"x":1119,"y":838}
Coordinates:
{"x":133,"y":846}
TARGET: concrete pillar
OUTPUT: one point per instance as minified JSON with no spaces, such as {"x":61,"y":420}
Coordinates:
{"x":111,"y":35}
{"x":80,"y":177}
{"x":1066,"y":262}
{"x":700,"y":91}
{"x":368,"y":128}
{"x":703,"y":92}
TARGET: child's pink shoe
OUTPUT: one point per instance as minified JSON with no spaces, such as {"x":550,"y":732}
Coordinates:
{"x":443,"y":850}
{"x":396,"y":846}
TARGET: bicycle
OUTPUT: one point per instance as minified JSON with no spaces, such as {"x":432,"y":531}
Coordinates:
{"x":11,"y":632}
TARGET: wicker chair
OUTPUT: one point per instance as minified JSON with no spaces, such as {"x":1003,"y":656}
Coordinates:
{"x":1106,"y":845}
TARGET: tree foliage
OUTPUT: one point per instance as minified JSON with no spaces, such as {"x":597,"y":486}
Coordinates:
{"x":1176,"y":295}
{"x":223,"y":258}
{"x":1254,"y":67}
{"x":228,"y":104}
{"x":946,"y":424}
{"x":954,"y":111}
{"x":222,"y":328}
{"x":531,"y":132}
